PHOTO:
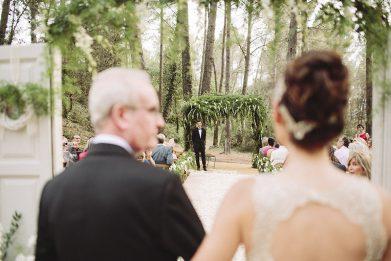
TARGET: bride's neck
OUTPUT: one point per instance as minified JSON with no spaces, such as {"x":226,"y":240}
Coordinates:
{"x":300,"y":159}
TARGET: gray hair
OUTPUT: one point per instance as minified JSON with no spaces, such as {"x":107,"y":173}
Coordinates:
{"x":114,"y":86}
{"x":358,"y":147}
{"x":161,"y":137}
{"x":264,"y":141}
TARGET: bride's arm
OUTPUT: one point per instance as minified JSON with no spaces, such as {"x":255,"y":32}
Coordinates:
{"x":234,"y":216}
{"x":387,"y":222}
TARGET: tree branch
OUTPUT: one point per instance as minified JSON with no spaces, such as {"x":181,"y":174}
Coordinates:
{"x":237,"y":40}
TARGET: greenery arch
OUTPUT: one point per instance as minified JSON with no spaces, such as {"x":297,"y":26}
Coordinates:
{"x":213,"y":108}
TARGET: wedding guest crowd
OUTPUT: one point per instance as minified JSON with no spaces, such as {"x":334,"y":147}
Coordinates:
{"x":71,"y":150}
{"x":352,"y":156}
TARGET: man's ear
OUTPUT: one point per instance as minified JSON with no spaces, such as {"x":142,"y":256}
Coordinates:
{"x":118,"y":115}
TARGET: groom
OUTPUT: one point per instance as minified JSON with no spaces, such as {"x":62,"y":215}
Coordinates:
{"x":109,"y":206}
{"x":198,"y":138}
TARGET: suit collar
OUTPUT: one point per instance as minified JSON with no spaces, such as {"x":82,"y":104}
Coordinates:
{"x":113,"y":139}
{"x":108,"y":149}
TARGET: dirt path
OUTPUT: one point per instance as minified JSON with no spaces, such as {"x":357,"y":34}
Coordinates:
{"x":206,"y":191}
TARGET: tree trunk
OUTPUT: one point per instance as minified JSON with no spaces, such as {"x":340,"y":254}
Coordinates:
{"x":215,"y":74}
{"x":139,"y":53}
{"x":4,"y":20}
{"x":228,"y":47}
{"x":172,"y":71}
{"x":368,"y":85}
{"x":304,"y":32}
{"x":259,"y":71}
{"x":33,"y":6}
{"x":210,"y":38}
{"x":248,"y":46}
{"x":187,"y":133}
{"x":292,"y":38}
{"x":161,"y":54}
{"x":223,"y":53}
{"x":216,"y":134}
{"x":227,"y":145}
{"x":203,"y":49}
{"x":136,"y":46}
{"x":183,"y":22}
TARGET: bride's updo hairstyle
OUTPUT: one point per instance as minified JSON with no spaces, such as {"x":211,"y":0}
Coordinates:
{"x":313,"y":103}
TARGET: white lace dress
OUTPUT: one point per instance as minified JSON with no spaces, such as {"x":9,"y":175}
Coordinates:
{"x":276,"y":200}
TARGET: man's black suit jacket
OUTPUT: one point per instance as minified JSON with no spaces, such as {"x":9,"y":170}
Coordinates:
{"x":111,"y":207}
{"x":198,"y":142}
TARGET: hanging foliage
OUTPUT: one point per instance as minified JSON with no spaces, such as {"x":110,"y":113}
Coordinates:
{"x":210,"y":108}
{"x":84,"y":23}
{"x":14,"y":99}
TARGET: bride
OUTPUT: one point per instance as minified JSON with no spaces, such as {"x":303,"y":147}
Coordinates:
{"x":311,"y":210}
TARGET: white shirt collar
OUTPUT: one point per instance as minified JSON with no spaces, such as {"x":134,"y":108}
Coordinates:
{"x":113,"y":139}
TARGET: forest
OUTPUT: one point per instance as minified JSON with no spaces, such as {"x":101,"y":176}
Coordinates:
{"x":222,"y":52}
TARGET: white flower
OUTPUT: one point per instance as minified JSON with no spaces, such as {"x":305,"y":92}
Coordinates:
{"x":21,"y":257}
{"x":31,"y":242}
{"x":83,"y":39}
{"x":30,"y":258}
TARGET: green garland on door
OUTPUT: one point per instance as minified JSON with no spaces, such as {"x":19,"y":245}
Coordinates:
{"x":14,"y":99}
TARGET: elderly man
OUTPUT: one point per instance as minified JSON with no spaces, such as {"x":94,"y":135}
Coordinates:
{"x":109,"y":206}
{"x":162,"y":154}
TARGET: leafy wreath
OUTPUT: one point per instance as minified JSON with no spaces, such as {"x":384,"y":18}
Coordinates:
{"x":19,"y":103}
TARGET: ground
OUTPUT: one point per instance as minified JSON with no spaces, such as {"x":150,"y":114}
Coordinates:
{"x":206,"y":189}
{"x":236,"y":161}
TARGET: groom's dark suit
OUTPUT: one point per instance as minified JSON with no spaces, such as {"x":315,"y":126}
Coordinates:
{"x":199,"y":145}
{"x":111,"y":207}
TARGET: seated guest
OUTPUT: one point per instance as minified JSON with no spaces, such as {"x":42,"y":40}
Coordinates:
{"x":66,"y":156}
{"x":334,"y":159}
{"x":270,"y":146}
{"x":162,"y":154}
{"x":148,"y":158}
{"x":269,"y":152}
{"x":359,"y":164}
{"x":361,"y":133}
{"x":140,"y":156}
{"x":342,"y":151}
{"x":171,"y":143}
{"x":358,"y":146}
{"x":263,"y":144}
{"x":74,"y":149}
{"x":86,"y":149}
{"x":278,"y":156}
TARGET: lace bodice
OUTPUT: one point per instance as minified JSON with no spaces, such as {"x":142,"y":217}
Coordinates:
{"x":276,"y":200}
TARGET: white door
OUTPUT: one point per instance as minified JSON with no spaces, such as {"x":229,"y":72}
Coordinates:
{"x":28,"y":156}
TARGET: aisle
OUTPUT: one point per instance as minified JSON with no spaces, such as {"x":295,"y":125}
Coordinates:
{"x":206,"y":190}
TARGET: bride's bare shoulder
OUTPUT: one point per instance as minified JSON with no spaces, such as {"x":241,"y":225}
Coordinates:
{"x":240,"y":194}
{"x":386,"y":200}
{"x":243,"y":189}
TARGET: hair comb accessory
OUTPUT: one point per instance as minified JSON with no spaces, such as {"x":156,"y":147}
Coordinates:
{"x":298,"y":129}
